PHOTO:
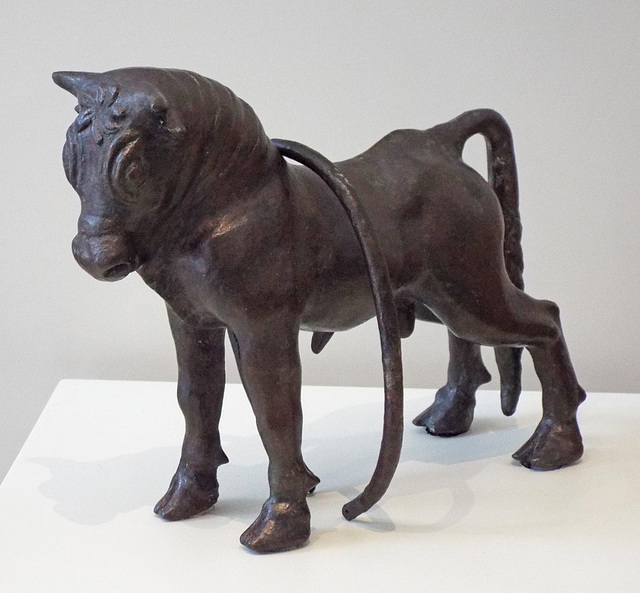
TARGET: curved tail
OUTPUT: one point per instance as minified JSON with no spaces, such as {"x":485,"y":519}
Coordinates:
{"x":503,"y":178}
{"x":387,"y":324}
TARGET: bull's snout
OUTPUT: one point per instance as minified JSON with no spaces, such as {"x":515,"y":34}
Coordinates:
{"x":105,"y":257}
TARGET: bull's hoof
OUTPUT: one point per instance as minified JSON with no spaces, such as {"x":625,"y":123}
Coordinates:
{"x":281,"y":526}
{"x":190,"y":493}
{"x":552,"y":446}
{"x":450,"y":414}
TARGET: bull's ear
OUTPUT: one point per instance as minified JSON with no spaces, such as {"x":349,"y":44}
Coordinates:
{"x":168,"y":117}
{"x":75,"y":82}
{"x":174,"y":124}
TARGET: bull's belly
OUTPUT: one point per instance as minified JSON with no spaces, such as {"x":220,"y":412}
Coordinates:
{"x":340,"y":307}
{"x":333,"y":308}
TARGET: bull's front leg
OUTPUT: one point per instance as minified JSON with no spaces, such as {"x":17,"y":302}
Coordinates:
{"x":201,"y":380}
{"x":269,"y":365}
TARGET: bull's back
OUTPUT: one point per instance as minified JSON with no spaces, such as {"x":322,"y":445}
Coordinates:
{"x":423,"y":203}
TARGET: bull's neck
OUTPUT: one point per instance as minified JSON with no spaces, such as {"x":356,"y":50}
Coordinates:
{"x":234,"y":149}
{"x":228,"y":159}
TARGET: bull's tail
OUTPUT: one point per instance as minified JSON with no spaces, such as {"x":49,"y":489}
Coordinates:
{"x":387,"y":324}
{"x":503,"y":178}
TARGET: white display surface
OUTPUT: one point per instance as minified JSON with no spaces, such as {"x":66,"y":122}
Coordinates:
{"x":460,"y":515}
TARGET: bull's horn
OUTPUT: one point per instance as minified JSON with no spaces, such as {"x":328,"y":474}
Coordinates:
{"x":74,"y":82}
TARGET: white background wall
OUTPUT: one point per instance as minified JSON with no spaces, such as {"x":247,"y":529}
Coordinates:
{"x":337,"y":75}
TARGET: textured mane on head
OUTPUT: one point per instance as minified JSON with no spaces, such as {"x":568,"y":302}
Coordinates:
{"x":101,"y":115}
{"x":102,"y":110}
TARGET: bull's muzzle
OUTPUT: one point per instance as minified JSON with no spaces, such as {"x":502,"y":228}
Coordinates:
{"x":105,"y":257}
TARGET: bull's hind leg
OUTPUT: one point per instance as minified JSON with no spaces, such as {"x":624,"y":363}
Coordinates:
{"x":269,"y":365}
{"x":452,"y":410}
{"x":556,"y":441}
{"x":201,"y":380}
{"x":502,"y":315}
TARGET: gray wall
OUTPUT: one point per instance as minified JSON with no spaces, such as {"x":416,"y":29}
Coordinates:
{"x":337,"y":75}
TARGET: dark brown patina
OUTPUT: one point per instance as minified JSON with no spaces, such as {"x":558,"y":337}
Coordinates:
{"x":179,"y":182}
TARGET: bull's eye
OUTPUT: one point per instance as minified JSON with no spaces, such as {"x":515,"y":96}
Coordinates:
{"x":131,"y":175}
{"x":128,"y":169}
{"x":134,"y":176}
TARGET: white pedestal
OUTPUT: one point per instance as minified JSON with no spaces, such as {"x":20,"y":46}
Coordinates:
{"x":76,"y":507}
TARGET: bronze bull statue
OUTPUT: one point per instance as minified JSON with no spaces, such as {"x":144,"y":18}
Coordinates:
{"x":179,"y":182}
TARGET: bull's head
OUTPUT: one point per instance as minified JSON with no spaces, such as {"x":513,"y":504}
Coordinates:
{"x":120,"y":156}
